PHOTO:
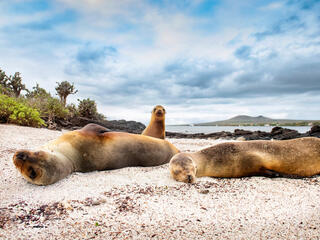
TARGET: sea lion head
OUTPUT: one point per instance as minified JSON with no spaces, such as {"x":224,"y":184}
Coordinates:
{"x":183,"y":168}
{"x":159,"y":112}
{"x":38,"y":167}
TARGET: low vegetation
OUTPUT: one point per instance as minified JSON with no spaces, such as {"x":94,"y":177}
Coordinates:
{"x":13,"y":111}
{"x":37,"y":107}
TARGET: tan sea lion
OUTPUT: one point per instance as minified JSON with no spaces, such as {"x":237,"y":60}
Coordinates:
{"x":88,"y":149}
{"x":287,"y":158}
{"x":156,"y":127}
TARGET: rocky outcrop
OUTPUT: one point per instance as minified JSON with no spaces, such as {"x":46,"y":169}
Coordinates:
{"x":114,"y":125}
{"x":278,"y":133}
{"x":314,"y":131}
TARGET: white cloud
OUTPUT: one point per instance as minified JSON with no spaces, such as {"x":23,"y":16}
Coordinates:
{"x":273,"y":6}
{"x":201,"y":50}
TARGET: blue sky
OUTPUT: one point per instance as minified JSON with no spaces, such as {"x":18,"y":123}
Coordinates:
{"x":202,"y":60}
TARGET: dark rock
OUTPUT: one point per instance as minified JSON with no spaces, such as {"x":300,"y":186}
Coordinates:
{"x":204,"y":191}
{"x":114,"y":125}
{"x":241,"y":132}
{"x":314,"y":131}
{"x":278,"y":133}
{"x":179,"y":135}
{"x":276,"y":130}
{"x":284,"y":133}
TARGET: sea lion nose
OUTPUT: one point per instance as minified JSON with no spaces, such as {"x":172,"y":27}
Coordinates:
{"x":21,"y":156}
{"x":33,"y":173}
{"x":189,"y":179}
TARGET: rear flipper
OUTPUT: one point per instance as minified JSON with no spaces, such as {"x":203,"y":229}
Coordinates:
{"x":273,"y":174}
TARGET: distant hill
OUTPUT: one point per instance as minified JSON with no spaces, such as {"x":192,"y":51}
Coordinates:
{"x":245,"y":120}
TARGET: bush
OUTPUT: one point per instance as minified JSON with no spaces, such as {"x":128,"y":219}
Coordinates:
{"x":73,"y":111}
{"x":64,"y":89}
{"x":87,"y":108}
{"x":15,"y":112}
{"x":5,"y":91}
{"x":54,"y":110}
{"x":37,"y":92}
{"x":49,"y":107}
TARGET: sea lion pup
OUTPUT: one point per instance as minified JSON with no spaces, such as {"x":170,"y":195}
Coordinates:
{"x":286,"y":158}
{"x":156,"y":127}
{"x":88,"y":149}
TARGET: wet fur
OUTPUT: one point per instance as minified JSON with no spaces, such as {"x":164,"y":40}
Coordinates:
{"x":287,"y":158}
{"x":89,"y":149}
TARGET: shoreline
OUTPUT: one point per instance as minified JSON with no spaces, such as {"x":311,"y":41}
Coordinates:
{"x":210,"y":129}
{"x":277,"y":133}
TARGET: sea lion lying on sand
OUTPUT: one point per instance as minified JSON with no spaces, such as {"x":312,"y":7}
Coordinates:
{"x":287,"y":158}
{"x":88,"y":149}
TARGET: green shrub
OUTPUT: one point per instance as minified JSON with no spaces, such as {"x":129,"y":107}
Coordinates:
{"x":54,"y":109}
{"x":19,"y":113}
{"x":37,"y":92}
{"x":73,"y":111}
{"x":49,"y":107}
{"x":87,"y":108}
{"x":5,"y":91}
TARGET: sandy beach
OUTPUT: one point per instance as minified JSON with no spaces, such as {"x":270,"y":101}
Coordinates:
{"x":145,"y":203}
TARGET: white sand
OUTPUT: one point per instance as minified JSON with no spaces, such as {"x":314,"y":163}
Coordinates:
{"x":144,"y":203}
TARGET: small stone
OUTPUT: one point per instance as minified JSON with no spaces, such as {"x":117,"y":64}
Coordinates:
{"x":204,"y":191}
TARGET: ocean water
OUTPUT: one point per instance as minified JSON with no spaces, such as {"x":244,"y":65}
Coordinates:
{"x":211,"y":129}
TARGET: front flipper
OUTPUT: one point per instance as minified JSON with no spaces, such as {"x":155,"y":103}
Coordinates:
{"x":274,"y":174}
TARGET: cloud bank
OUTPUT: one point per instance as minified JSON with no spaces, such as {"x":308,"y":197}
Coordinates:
{"x":203,"y":60}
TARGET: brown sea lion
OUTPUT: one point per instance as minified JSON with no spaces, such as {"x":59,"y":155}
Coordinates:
{"x":156,"y":127}
{"x":88,"y":149}
{"x":287,"y":158}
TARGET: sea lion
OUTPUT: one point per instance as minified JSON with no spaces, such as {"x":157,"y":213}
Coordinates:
{"x":287,"y":158}
{"x":156,"y":127}
{"x":88,"y":149}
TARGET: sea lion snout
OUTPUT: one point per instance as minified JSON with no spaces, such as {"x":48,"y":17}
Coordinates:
{"x":21,"y":156}
{"x":190,"y":179}
{"x":159,"y":112}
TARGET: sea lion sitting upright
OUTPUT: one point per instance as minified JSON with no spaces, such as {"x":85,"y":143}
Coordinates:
{"x":90,"y":148}
{"x":156,"y":127}
{"x":287,"y":158}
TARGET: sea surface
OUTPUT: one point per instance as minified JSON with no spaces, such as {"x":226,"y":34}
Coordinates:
{"x":211,"y":129}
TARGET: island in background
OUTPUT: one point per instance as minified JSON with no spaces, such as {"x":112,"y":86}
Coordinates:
{"x":244,"y":120}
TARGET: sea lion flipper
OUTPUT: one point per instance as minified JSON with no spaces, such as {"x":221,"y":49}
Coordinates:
{"x":270,"y":173}
{"x":274,"y":174}
{"x":95,"y":128}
